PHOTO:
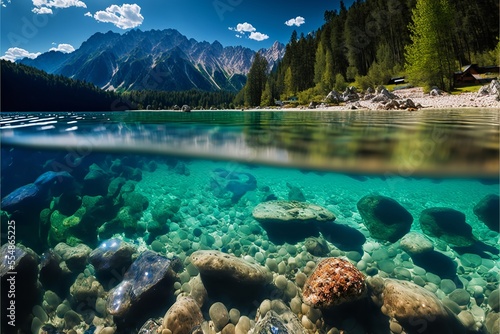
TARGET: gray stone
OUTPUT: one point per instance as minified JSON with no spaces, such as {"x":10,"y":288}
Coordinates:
{"x":460,"y":296}
{"x":279,"y":319}
{"x":447,"y":285}
{"x":386,"y":266}
{"x":493,"y":300}
{"x":226,"y":266}
{"x":219,"y":315}
{"x":282,"y":212}
{"x":470,"y":260}
{"x":415,"y":243}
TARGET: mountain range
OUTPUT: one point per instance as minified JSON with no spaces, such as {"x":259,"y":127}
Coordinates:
{"x":155,"y":60}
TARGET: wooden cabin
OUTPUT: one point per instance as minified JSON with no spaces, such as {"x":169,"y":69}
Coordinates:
{"x":474,"y":75}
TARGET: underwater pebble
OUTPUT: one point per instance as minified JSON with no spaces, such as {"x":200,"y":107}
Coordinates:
{"x":234,"y":316}
{"x":300,"y":279}
{"x":380,"y":254}
{"x":192,"y":270}
{"x":291,"y":290}
{"x":72,"y":319}
{"x":447,"y":285}
{"x":431,"y":287}
{"x":353,"y":255}
{"x":386,"y":265}
{"x":281,"y":268}
{"x":281,"y":283}
{"x":467,"y":319}
{"x":395,"y":327}
{"x":264,"y":307}
{"x":402,"y":273}
{"x":36,"y":324}
{"x":361,"y":265}
{"x":61,"y":310}
{"x":314,"y":314}
{"x":219,"y":315}
{"x":433,"y":278}
{"x":259,"y":257}
{"x":40,"y":313}
{"x":243,"y":326}
{"x":418,"y":280}
{"x":460,"y":296}
{"x":272,"y":265}
{"x":307,"y":323}
{"x":470,"y":260}
{"x":454,"y":307}
{"x":419,"y":271}
{"x":111,"y":330}
{"x":228,"y":329}
{"x":100,"y":306}
{"x":296,"y":305}
{"x":493,"y":300}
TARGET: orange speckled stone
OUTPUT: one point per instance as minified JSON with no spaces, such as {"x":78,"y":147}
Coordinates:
{"x":333,"y":282}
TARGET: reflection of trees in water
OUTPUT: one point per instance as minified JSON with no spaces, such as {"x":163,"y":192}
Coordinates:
{"x":366,"y":140}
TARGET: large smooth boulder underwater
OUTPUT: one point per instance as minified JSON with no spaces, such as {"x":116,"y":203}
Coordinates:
{"x":487,"y":210}
{"x":448,"y":225}
{"x":414,"y":308}
{"x":183,"y":317}
{"x":291,"y":221}
{"x":334,"y":281}
{"x":226,"y":274}
{"x":384,"y":217}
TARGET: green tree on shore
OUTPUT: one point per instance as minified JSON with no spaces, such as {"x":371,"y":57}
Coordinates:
{"x":429,"y":58}
{"x":256,"y":82}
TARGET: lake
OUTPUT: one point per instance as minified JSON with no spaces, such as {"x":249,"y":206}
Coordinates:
{"x":125,"y":212}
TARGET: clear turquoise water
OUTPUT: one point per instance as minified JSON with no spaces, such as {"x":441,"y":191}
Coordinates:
{"x":421,"y":159}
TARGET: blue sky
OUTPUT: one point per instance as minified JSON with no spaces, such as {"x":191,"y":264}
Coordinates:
{"x":31,"y":27}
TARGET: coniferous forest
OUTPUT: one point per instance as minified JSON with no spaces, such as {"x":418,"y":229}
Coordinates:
{"x":374,"y":40}
{"x":364,"y":45}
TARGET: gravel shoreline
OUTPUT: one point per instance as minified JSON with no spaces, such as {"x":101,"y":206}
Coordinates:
{"x":426,"y":101}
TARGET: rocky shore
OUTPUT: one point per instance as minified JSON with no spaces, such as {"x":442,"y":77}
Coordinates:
{"x":408,"y":99}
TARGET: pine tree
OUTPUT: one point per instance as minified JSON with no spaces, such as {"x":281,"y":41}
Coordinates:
{"x":430,"y":59}
{"x":257,"y":77}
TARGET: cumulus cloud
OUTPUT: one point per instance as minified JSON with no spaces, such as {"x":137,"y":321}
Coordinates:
{"x":258,"y":36}
{"x":246,"y":29}
{"x":17,"y":53}
{"x":65,"y":48}
{"x":45,"y":6}
{"x":124,"y":17}
{"x":298,"y":21}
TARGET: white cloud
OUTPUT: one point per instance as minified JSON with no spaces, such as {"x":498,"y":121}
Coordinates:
{"x":65,"y":48}
{"x":4,"y":3}
{"x":258,"y":36}
{"x":124,"y":17}
{"x":88,"y":14}
{"x":298,"y":21}
{"x":17,"y":53}
{"x":246,"y":29}
{"x":45,"y":6}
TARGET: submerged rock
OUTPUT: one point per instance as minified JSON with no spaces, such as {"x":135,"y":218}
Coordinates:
{"x":334,"y":281}
{"x":384,"y":218}
{"x":416,"y":243}
{"x":75,"y":258}
{"x":448,"y":225}
{"x":278,"y":320}
{"x":234,"y":184}
{"x":113,"y":255}
{"x":229,"y":267}
{"x":149,"y":277}
{"x":34,"y":194}
{"x":183,"y":316}
{"x":487,"y":210}
{"x":414,"y":308}
{"x":284,"y":212}
{"x":295,"y":194}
